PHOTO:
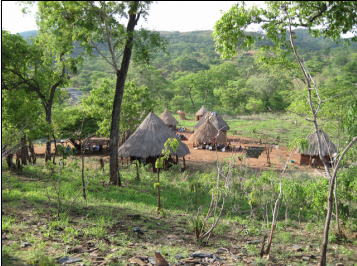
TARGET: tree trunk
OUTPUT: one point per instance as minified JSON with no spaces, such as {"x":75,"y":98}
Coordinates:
{"x":158,"y":189}
{"x":327,"y":224}
{"x":193,"y":104}
{"x":336,"y":209}
{"x":10,"y":162}
{"x":30,"y":151}
{"x":83,"y":184}
{"x":48,"y":143}
{"x":54,"y":156}
{"x":48,"y":149}
{"x":24,"y":150}
{"x":137,"y":170}
{"x":329,"y":204}
{"x":119,"y":91}
{"x":74,"y":143}
{"x":18,"y":165}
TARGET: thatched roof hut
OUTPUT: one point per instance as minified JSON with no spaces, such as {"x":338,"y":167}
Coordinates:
{"x":168,"y":119}
{"x":206,"y":133}
{"x":215,"y":119}
{"x":312,"y":152}
{"x":200,"y":113}
{"x":328,"y":148}
{"x":149,"y":139}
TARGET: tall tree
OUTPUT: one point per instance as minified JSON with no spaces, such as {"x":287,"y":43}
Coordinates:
{"x":334,"y":18}
{"x":39,"y":67}
{"x":98,"y":22}
{"x":21,"y":117}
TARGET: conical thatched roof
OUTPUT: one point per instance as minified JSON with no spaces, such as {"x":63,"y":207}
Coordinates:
{"x":215,"y":119}
{"x":328,"y":148}
{"x":202,"y":111}
{"x":206,"y":133}
{"x":149,"y":139}
{"x":168,"y":118}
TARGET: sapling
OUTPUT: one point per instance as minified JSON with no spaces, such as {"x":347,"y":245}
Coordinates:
{"x":170,"y":143}
{"x":219,"y":192}
{"x":301,"y":143}
{"x":311,"y":86}
{"x":74,"y":199}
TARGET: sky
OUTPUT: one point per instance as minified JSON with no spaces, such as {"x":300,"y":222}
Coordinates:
{"x":163,"y":16}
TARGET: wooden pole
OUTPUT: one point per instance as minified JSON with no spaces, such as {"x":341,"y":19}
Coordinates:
{"x":158,"y":189}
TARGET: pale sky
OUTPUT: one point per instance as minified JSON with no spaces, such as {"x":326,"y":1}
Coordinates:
{"x":180,"y":16}
{"x":163,"y":16}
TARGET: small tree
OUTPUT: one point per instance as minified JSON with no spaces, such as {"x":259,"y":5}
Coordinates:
{"x":38,"y":68}
{"x":95,"y":23}
{"x":333,"y":18}
{"x":171,"y":143}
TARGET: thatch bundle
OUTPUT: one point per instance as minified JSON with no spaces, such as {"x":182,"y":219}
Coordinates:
{"x":168,"y":119}
{"x":181,"y":114}
{"x":215,"y":119}
{"x":149,"y":139}
{"x":202,"y":111}
{"x":328,"y":148}
{"x":206,"y":133}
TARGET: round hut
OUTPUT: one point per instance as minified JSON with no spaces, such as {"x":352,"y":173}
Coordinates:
{"x":207,"y":133}
{"x":181,"y":114}
{"x":312,"y":153}
{"x":168,"y":119}
{"x":200,"y":113}
{"x":147,"y":142}
{"x":216,"y":120}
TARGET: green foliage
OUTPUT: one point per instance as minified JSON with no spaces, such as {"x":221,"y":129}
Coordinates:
{"x":349,"y":122}
{"x":254,"y":105}
{"x":227,"y":85}
{"x":171,"y":143}
{"x":136,"y":105}
{"x":69,"y":121}
{"x":229,"y":31}
{"x":298,"y":143}
{"x":32,"y":75}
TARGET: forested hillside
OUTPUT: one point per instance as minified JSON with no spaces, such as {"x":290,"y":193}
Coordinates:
{"x":191,"y":74}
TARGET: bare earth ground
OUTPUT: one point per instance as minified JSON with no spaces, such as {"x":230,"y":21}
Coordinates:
{"x":278,"y":157}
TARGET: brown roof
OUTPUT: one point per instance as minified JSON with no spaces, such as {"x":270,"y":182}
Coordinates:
{"x":202,"y":111}
{"x":206,"y":133}
{"x":168,"y":118}
{"x":328,"y":148}
{"x":149,"y":139}
{"x":215,"y":119}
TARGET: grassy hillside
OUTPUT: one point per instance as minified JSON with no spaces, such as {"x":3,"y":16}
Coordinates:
{"x":45,"y":218}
